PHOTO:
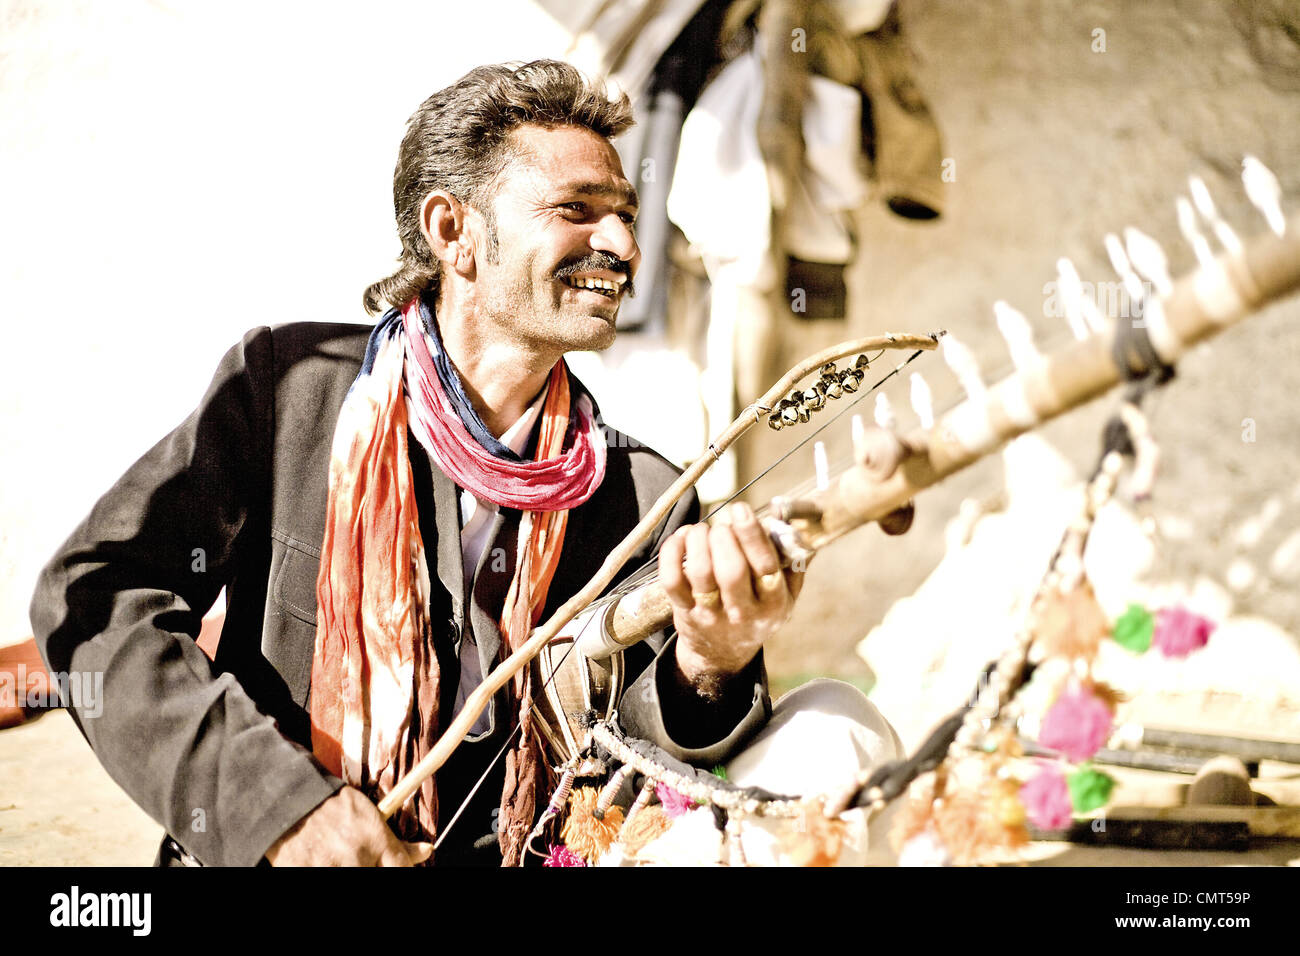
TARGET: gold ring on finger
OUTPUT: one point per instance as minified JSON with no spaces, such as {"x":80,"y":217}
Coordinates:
{"x":707,"y":598}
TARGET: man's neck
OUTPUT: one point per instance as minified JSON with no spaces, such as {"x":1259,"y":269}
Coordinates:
{"x":501,"y":378}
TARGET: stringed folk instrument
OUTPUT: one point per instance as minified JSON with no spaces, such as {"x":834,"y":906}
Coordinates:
{"x":1221,"y":291}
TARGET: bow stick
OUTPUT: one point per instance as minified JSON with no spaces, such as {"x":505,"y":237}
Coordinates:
{"x":503,"y":672}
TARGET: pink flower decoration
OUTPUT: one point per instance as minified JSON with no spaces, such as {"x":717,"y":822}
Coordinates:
{"x":1047,"y":799}
{"x":1077,"y":725}
{"x":561,"y":855}
{"x":675,"y":804}
{"x":1180,"y":631}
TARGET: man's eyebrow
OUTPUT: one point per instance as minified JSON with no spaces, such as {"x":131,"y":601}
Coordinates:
{"x":627,"y":194}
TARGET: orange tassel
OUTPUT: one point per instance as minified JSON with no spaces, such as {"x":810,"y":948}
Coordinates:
{"x":1071,"y":624}
{"x":586,"y":836}
{"x":648,"y":824}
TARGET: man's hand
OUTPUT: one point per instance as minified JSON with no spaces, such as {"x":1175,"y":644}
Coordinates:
{"x":725,"y":583}
{"x":729,"y":595}
{"x":345,"y":830}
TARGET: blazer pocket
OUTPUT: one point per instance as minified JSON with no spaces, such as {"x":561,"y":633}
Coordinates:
{"x":294,"y":589}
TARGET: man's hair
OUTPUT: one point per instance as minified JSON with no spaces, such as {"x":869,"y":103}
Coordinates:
{"x":459,"y":140}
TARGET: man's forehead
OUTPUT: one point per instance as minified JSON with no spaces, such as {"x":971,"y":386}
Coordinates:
{"x":573,"y":160}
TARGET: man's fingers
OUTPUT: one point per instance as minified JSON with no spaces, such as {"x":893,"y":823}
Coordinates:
{"x":418,"y":852}
{"x":770,"y":583}
{"x":732,"y":566}
{"x":731,"y":570}
{"x":699,"y":566}
{"x":344,"y":830}
{"x":754,"y":541}
{"x":672,"y":576}
{"x":395,"y":855}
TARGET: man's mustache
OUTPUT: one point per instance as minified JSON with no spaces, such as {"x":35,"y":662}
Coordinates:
{"x":599,"y":262}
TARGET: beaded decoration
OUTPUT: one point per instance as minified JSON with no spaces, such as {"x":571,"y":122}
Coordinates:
{"x":979,"y":804}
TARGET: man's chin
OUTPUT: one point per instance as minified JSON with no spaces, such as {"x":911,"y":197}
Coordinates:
{"x":595,"y":330}
{"x":600,"y":339}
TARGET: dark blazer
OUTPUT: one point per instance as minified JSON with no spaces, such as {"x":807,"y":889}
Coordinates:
{"x":218,"y":752}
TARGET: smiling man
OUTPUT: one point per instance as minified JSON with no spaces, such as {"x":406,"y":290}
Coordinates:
{"x":390,"y":511}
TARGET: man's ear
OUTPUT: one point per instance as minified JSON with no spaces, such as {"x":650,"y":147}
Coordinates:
{"x":443,"y":221}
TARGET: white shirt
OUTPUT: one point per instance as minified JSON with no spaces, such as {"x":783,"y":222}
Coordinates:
{"x":476,"y":519}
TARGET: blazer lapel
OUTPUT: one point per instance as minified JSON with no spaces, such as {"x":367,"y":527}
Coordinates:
{"x":440,"y":522}
{"x":439,"y":511}
{"x":492,"y":577}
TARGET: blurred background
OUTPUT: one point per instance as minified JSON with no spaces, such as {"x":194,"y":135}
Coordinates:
{"x":175,"y":173}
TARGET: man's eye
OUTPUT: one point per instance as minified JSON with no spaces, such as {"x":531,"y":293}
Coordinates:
{"x":628,"y":218}
{"x":577,"y":207}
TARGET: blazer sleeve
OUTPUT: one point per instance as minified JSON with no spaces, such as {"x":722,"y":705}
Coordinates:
{"x":694,"y":730}
{"x":124,"y":597}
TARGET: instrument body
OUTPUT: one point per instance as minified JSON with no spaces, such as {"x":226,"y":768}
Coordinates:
{"x":576,"y":687}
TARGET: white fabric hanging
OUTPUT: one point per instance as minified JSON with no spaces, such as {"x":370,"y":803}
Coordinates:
{"x":720,"y":197}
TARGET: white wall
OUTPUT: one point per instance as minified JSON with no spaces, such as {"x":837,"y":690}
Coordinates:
{"x":173,"y":174}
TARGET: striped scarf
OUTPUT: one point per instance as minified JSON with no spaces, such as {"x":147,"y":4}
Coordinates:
{"x":375,"y":681}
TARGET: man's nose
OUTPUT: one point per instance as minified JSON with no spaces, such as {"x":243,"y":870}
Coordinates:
{"x":615,"y":236}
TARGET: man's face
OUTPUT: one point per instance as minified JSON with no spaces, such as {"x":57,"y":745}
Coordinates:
{"x":565,"y":249}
